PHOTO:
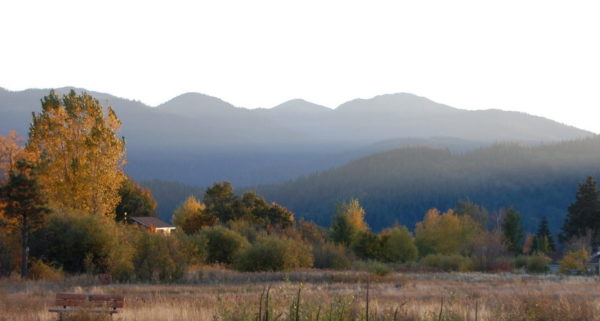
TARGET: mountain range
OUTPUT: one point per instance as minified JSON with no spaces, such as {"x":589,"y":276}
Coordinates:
{"x":198,"y":139}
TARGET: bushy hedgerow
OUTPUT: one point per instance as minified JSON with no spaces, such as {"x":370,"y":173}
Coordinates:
{"x":275,"y":253}
{"x":447,"y":262}
{"x":329,"y":255}
{"x":223,"y":244}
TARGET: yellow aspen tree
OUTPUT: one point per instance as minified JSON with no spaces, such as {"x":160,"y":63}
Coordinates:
{"x":80,"y":156}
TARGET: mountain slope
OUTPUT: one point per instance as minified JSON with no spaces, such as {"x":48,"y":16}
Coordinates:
{"x":400,"y":185}
{"x":198,"y":139}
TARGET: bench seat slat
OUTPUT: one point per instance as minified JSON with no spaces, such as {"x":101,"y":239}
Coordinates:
{"x":77,"y":310}
{"x":105,"y":303}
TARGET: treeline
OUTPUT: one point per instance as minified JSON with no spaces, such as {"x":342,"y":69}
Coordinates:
{"x":402,"y":184}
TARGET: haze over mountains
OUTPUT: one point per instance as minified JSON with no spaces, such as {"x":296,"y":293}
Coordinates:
{"x":402,"y":184}
{"x":199,"y":139}
{"x":400,"y":154}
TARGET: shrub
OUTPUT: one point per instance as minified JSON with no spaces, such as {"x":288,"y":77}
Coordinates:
{"x":192,"y":247}
{"x":331,"y":256}
{"x":447,"y":262}
{"x":374,"y":267}
{"x":223,"y":244}
{"x":574,"y":261}
{"x":274,"y":253}
{"x":538,"y":263}
{"x":489,"y":253}
{"x":520,"y":262}
{"x":398,"y":245}
{"x":80,"y":242}
{"x":9,"y":250}
{"x":158,"y":257}
{"x":367,"y":245}
{"x":42,"y":271}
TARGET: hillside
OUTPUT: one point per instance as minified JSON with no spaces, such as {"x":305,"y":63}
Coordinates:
{"x":199,"y":139}
{"x":400,"y":185}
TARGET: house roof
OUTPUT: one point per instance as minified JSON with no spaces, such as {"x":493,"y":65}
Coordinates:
{"x":151,"y":221}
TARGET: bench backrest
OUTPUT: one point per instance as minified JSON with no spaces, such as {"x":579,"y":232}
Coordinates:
{"x":90,"y":300}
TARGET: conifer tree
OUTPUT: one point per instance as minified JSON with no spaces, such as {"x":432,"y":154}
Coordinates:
{"x":543,"y":241}
{"x":512,"y":231}
{"x":583,"y":215}
{"x":23,"y":200}
{"x":80,"y":157}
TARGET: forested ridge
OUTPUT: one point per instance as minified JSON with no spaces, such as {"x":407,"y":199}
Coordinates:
{"x":402,"y":184}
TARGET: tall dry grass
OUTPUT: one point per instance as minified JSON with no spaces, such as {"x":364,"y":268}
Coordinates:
{"x":220,"y":295}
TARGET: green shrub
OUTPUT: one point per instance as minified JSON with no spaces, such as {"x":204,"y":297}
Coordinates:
{"x":520,"y":262}
{"x":80,"y":242}
{"x":331,"y":256}
{"x":367,"y":245}
{"x":223,"y":244}
{"x":398,"y":245}
{"x":374,"y":267}
{"x":158,"y":257}
{"x":447,"y":262}
{"x":192,"y":247}
{"x":275,"y":253}
{"x":538,"y":263}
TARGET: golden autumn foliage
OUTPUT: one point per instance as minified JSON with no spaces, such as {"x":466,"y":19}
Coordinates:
{"x":80,"y":157}
{"x":444,"y":233}
{"x":191,"y":216}
{"x":575,"y":261}
{"x":11,"y":150}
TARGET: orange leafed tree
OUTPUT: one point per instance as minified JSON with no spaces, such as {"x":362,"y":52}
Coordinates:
{"x":80,"y":156}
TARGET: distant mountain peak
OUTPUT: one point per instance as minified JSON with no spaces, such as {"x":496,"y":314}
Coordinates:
{"x":397,"y":102}
{"x":194,"y":98}
{"x":300,"y":106}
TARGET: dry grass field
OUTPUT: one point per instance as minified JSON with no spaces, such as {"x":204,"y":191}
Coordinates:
{"x":221,"y":295}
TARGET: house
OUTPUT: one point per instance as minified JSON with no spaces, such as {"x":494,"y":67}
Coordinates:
{"x":153,"y":224}
{"x":593,"y":265}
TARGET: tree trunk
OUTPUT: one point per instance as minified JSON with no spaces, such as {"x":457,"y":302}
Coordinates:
{"x":24,"y":247}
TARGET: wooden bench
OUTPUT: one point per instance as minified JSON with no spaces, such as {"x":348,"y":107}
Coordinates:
{"x":95,"y":303}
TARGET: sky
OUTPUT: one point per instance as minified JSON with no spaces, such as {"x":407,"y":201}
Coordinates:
{"x":539,"y":57}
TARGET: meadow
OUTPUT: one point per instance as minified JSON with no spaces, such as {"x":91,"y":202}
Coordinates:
{"x":222,"y":295}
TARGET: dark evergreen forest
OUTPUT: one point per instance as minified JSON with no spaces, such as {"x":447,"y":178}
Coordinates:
{"x":402,"y":184}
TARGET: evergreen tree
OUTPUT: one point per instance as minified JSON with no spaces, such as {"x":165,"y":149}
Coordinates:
{"x":80,"y":157}
{"x":477,"y":213}
{"x":543,"y":242}
{"x":583,"y":215}
{"x":24,"y":201}
{"x":512,"y":231}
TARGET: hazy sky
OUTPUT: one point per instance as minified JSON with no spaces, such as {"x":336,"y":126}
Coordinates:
{"x":540,"y":57}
